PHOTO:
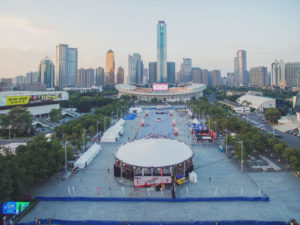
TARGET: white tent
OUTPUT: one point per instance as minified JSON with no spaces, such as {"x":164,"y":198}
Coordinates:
{"x":88,"y":156}
{"x":195,"y":121}
{"x":113,"y":133}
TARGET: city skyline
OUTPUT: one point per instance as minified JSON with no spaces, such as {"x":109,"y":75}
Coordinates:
{"x":190,"y":34}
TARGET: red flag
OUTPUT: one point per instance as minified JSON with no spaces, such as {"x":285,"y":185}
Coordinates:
{"x":161,"y":173}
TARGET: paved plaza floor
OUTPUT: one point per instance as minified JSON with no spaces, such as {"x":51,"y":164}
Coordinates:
{"x":217,"y":177}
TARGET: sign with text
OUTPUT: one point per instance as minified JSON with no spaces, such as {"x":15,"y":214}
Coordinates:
{"x":150,"y":181}
{"x":17,"y":100}
{"x":14,"y":207}
{"x":160,"y":87}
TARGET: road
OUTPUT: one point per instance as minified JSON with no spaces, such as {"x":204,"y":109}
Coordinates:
{"x":291,"y":141}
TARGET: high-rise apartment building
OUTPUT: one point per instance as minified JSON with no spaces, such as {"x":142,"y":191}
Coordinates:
{"x":171,"y":73}
{"x":197,"y":75}
{"x":275,"y":71}
{"x":205,"y":78}
{"x":230,"y":80}
{"x":32,"y":78}
{"x":285,"y":75}
{"x":152,"y":72}
{"x":215,"y":78}
{"x":66,"y":66}
{"x":120,"y":75}
{"x":135,"y":69}
{"x":161,"y":52}
{"x":99,"y":77}
{"x":19,"y":80}
{"x":145,"y":76}
{"x":110,"y":68}
{"x":240,"y":69}
{"x":291,"y":73}
{"x":258,"y":76}
{"x":85,"y":77}
{"x":46,"y":72}
{"x":186,"y":70}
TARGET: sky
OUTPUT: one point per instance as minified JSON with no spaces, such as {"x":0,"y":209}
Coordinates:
{"x":209,"y":32}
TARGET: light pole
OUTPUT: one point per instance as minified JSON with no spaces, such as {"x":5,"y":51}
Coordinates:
{"x":9,"y":127}
{"x":242,"y":151}
{"x":97,"y":132}
{"x":65,"y":156}
{"x":226,"y":143}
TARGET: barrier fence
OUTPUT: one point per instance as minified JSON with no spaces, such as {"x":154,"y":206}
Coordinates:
{"x":145,"y":199}
{"x":94,"y":222}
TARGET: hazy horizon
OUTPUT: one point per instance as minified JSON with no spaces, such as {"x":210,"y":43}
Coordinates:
{"x":208,"y":32}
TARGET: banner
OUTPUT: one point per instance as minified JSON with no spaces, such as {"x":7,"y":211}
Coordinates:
{"x":149,"y":181}
{"x":17,"y":100}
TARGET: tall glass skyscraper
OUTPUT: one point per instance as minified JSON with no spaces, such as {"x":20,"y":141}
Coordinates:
{"x":110,"y":68}
{"x":240,"y":69}
{"x":161,"y":52}
{"x":46,"y":72}
{"x":66,"y":66}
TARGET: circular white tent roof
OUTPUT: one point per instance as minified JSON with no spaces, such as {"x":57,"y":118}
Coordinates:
{"x":154,"y":153}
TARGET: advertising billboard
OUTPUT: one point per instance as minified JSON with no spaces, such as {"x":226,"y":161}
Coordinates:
{"x":17,"y":100}
{"x":160,"y":87}
{"x":14,"y":207}
{"x":150,"y":181}
{"x":33,"y":97}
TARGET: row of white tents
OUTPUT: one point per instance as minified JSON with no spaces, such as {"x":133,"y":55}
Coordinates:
{"x":88,"y":156}
{"x":113,"y":133}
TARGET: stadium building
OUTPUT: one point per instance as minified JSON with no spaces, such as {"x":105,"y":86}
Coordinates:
{"x":38,"y":103}
{"x":259,"y":103}
{"x":162,"y":92}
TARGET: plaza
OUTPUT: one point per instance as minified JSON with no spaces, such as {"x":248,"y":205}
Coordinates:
{"x":217,"y":177}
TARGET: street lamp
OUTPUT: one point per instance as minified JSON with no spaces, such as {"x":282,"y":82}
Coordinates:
{"x":242,"y":151}
{"x":65,"y":156}
{"x":97,"y":132}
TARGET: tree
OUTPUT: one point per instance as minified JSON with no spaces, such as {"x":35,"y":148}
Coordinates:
{"x":272,"y":115}
{"x":55,"y":115}
{"x":6,"y":183}
{"x":18,"y":121}
{"x":92,"y":130}
{"x":278,"y":148}
{"x":295,"y":162}
{"x":287,"y":154}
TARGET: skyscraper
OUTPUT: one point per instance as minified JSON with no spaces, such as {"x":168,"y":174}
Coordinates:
{"x":196,"y":73}
{"x":120,"y":75}
{"x":230,"y":80}
{"x":110,"y":68}
{"x":215,"y":78}
{"x":135,"y":69}
{"x":100,"y":78}
{"x":152,"y":72}
{"x":187,"y":70}
{"x":258,"y":76}
{"x":66,"y":66}
{"x":32,"y":78}
{"x":85,"y":77}
{"x":275,"y":70}
{"x":240,"y":69}
{"x":205,"y":78}
{"x":46,"y":72}
{"x":145,"y":76}
{"x":161,"y":52}
{"x":171,"y":72}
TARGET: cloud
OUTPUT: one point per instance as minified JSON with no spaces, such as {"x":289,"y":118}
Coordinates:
{"x":22,"y":23}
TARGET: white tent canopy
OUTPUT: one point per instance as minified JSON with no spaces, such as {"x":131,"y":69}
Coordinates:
{"x":113,"y":133}
{"x":88,"y":156}
{"x":195,"y":121}
{"x":154,"y":152}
